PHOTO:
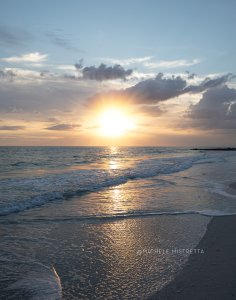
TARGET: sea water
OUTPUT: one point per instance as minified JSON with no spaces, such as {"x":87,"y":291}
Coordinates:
{"x":105,"y":222}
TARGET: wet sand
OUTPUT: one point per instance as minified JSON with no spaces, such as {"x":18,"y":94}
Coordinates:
{"x":212,"y":275}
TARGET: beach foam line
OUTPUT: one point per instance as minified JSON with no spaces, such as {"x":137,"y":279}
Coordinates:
{"x":41,"y":283}
{"x":220,"y":189}
{"x":76,"y":183}
{"x":137,"y":214}
{"x":29,"y":203}
{"x":114,"y":217}
{"x":39,"y":200}
{"x":208,"y":276}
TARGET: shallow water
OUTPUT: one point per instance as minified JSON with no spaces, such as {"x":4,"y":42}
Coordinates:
{"x":95,"y":222}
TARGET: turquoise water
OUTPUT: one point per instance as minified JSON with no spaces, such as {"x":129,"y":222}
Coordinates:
{"x":80,"y":222}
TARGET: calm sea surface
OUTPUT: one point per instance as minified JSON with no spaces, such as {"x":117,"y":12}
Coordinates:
{"x":104,"y":222}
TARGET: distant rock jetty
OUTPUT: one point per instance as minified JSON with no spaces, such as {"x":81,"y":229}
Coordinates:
{"x":215,"y":149}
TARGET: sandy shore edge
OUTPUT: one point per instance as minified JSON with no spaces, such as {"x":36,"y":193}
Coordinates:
{"x":211,"y":275}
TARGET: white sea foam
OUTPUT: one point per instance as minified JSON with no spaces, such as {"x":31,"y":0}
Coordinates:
{"x":60,"y":186}
{"x":41,"y":283}
{"x":221,"y":190}
{"x":130,"y":215}
{"x":22,"y":193}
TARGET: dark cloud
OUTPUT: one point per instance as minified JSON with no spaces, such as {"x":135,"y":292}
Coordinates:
{"x":11,"y":128}
{"x":157,"y":89}
{"x":13,"y":36}
{"x":103,"y":72}
{"x":208,"y":83}
{"x":161,"y":89}
{"x":152,"y":110}
{"x":62,"y":127}
{"x":150,"y":92}
{"x":191,"y":75}
{"x":79,"y":65}
{"x":7,"y":74}
{"x":51,"y":120}
{"x":215,"y":110}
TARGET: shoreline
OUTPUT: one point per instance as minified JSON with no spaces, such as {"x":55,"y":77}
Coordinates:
{"x":211,"y":275}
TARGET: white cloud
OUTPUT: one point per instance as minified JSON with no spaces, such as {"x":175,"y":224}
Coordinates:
{"x":33,"y":57}
{"x":147,"y":62}
{"x":137,"y":76}
{"x":23,"y":72}
{"x":66,"y":67}
{"x":167,"y":64}
{"x":26,"y":76}
{"x":128,"y":61}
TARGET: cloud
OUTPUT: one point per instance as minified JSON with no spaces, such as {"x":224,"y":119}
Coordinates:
{"x":191,"y":75}
{"x":66,"y":67}
{"x":157,"y":89}
{"x":161,"y":88}
{"x":60,"y":72}
{"x":7,"y":74}
{"x":13,"y":36}
{"x":51,"y":119}
{"x":146,"y":92}
{"x":49,"y":96}
{"x":215,"y":110}
{"x":103,"y":72}
{"x":150,"y":92}
{"x":128,"y":61}
{"x":11,"y":128}
{"x":209,"y":83}
{"x":62,"y":127}
{"x":147,"y":61}
{"x":152,"y":110}
{"x":18,"y":73}
{"x":33,"y":57}
{"x":167,"y":64}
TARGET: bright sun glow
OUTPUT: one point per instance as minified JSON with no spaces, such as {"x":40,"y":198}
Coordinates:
{"x":114,"y":122}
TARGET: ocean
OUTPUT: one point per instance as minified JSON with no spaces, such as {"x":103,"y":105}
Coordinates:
{"x":105,"y":222}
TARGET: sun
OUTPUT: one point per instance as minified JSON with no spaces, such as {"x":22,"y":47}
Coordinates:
{"x":114,"y":122}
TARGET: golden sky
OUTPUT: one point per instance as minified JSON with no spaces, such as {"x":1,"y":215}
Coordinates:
{"x":157,"y":111}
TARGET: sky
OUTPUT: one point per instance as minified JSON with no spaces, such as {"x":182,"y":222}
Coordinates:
{"x":135,"y":73}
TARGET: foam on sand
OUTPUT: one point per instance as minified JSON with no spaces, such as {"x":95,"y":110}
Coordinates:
{"x":40,"y":283}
